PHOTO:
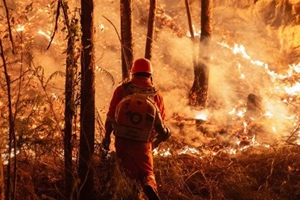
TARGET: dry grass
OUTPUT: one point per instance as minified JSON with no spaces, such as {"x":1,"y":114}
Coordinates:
{"x":255,"y":174}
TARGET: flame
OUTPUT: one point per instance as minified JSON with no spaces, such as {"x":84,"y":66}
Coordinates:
{"x":54,"y":96}
{"x":293,"y":90}
{"x":240,"y":50}
{"x":298,"y":140}
{"x":232,"y":111}
{"x":46,"y":35}
{"x":268,"y":114}
{"x":101,"y":27}
{"x":162,"y":152}
{"x":274,"y":129}
{"x":4,"y":156}
{"x":240,"y":111}
{"x":20,"y":28}
{"x":245,"y":126}
{"x":295,"y":67}
{"x":187,"y":149}
{"x":201,"y":116}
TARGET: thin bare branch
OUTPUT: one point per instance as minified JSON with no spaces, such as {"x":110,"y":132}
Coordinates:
{"x":9,"y":26}
{"x":59,"y":3}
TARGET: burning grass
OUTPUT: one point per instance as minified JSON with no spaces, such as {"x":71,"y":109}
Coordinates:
{"x":256,"y":173}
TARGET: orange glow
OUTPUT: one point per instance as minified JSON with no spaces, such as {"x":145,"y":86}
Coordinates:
{"x":201,"y":116}
{"x":20,"y":28}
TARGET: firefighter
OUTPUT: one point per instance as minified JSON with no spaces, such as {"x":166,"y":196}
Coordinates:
{"x":135,"y":156}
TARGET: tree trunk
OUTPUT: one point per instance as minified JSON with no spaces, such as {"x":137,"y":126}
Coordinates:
{"x":150,"y":31}
{"x":69,"y":113}
{"x":188,"y":12}
{"x":71,"y":71}
{"x":2,"y":184}
{"x":199,"y":91}
{"x":126,"y":37}
{"x":190,"y":23}
{"x":87,"y":109}
{"x":11,"y":179}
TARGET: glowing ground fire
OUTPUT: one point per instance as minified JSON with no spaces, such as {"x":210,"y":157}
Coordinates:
{"x":292,"y":91}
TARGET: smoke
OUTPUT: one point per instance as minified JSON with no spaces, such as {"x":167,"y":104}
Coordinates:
{"x":252,"y":48}
{"x":234,"y":73}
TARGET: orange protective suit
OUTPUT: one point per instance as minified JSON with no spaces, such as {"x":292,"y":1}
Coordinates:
{"x":135,"y":157}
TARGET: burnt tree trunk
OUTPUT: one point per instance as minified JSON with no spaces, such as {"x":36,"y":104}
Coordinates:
{"x":126,"y":37}
{"x":190,"y":23}
{"x":150,"y":31}
{"x":71,"y":71}
{"x":69,"y":114}
{"x":87,"y":108}
{"x":199,"y":92}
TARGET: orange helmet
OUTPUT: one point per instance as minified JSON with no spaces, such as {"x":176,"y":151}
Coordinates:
{"x":141,"y":65}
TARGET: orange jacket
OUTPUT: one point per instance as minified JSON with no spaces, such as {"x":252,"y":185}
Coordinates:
{"x":134,"y":156}
{"x":119,"y":94}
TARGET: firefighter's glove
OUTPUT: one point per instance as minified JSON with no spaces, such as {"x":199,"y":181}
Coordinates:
{"x":106,"y":143}
{"x":161,"y":138}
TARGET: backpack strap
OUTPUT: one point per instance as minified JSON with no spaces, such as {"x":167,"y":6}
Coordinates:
{"x":130,"y":88}
{"x":127,"y":90}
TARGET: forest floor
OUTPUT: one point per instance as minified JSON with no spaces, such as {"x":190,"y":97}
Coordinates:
{"x":255,"y":173}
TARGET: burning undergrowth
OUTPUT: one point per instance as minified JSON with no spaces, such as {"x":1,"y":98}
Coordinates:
{"x":245,"y":157}
{"x":256,"y":172}
{"x":206,"y":172}
{"x":236,"y":153}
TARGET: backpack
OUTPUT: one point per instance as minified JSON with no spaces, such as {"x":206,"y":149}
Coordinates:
{"x":136,"y":112}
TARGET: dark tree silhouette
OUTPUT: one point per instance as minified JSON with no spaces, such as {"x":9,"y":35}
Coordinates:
{"x":87,"y":108}
{"x":150,"y":31}
{"x":199,"y":92}
{"x":11,"y":177}
{"x":71,"y":71}
{"x":126,"y":37}
{"x":190,"y":23}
